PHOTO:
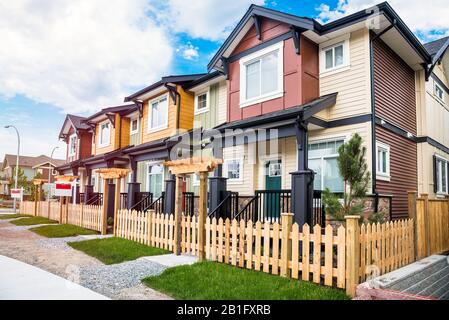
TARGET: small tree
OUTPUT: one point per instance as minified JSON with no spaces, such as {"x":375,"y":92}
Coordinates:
{"x":22,"y":181}
{"x":354,"y":171}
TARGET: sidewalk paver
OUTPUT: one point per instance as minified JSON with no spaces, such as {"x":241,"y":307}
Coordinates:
{"x":172,"y":260}
{"x":21,"y":281}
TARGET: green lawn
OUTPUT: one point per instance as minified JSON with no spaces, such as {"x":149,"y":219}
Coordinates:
{"x":33,"y":221}
{"x":62,"y":231}
{"x":116,"y":250}
{"x":215,"y":281}
{"x":12,"y":216}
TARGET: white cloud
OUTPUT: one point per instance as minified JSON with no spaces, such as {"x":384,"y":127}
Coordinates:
{"x":211,"y":19}
{"x":429,"y":26}
{"x":189,"y":51}
{"x":80,"y":55}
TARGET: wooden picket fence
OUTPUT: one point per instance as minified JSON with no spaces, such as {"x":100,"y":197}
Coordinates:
{"x":386,"y":247}
{"x":156,"y":230}
{"x":26,"y":207}
{"x":89,"y":217}
{"x":432,"y":224}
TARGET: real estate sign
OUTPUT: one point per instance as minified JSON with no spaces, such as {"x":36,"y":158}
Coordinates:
{"x":17,"y":193}
{"x":63,"y":190}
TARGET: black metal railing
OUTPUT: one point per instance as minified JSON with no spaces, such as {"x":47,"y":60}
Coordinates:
{"x":123,"y":201}
{"x":267,"y":206}
{"x":188,"y":203}
{"x":228,"y":208}
{"x":96,"y":199}
{"x":144,"y":200}
{"x":157,"y":205}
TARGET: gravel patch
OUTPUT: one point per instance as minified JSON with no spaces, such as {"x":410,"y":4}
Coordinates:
{"x":115,"y":280}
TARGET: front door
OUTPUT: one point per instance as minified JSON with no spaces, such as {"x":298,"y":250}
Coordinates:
{"x":155,"y":179}
{"x":273,"y":182}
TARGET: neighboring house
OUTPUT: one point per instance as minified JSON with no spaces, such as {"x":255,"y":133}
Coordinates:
{"x":3,"y":181}
{"x":31,"y":166}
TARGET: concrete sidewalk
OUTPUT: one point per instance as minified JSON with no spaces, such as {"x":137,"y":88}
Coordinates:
{"x":20,"y":281}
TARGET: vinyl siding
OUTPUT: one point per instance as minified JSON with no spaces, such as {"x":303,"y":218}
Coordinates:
{"x":222,"y":103}
{"x":113,"y":145}
{"x":425,"y":167}
{"x":208,"y":120}
{"x":353,"y":85}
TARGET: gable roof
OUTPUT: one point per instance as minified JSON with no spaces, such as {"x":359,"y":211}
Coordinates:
{"x":435,"y":46}
{"x":314,"y":29}
{"x":29,"y":162}
{"x":122,"y":109}
{"x":75,"y":122}
{"x":181,"y":80}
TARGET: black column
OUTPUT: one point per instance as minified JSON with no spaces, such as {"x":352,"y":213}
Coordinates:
{"x":218,"y":191}
{"x":302,"y":180}
{"x":170,"y":195}
{"x":111,"y":200}
{"x":88,"y":188}
{"x":133,"y":186}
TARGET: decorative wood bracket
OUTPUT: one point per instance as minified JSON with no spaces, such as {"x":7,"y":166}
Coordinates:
{"x":111,"y":118}
{"x":225,"y":63}
{"x":172,"y":91}
{"x":139,"y":104}
{"x":296,"y":39}
{"x":257,"y":26}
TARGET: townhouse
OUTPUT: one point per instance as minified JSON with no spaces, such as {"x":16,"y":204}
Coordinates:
{"x":285,"y":92}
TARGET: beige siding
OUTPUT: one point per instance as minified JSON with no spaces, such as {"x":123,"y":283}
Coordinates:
{"x":352,"y":85}
{"x":425,"y":167}
{"x":245,"y":187}
{"x":222,"y":103}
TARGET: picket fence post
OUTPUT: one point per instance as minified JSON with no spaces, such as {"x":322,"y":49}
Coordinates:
{"x":352,"y":254}
{"x":426,"y":237}
{"x":412,"y":213}
{"x":286,"y":243}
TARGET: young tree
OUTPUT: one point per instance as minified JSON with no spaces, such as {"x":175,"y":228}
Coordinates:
{"x":354,"y":171}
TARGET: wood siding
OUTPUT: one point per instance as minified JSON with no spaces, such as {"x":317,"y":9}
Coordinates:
{"x":394,"y":83}
{"x":83,"y":146}
{"x":301,"y":82}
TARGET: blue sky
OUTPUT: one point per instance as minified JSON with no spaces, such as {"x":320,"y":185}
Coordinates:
{"x":95,"y":56}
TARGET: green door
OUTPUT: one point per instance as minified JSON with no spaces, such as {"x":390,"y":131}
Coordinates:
{"x":273,"y":186}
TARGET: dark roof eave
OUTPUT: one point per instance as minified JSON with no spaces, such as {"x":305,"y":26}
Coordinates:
{"x":307,"y":110}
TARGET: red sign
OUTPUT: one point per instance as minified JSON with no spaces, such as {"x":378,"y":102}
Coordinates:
{"x":16,"y":193}
{"x":63,"y":190}
{"x":63,"y":186}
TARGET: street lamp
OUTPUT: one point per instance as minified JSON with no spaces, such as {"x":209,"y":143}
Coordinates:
{"x":49,"y":172}
{"x":17,"y":162}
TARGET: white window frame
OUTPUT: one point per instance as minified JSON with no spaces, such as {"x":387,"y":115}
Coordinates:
{"x":440,"y":192}
{"x":204,"y":92}
{"x":436,"y":85}
{"x":72,"y":154}
{"x":317,"y":140}
{"x":332,"y":44}
{"x":150,"y":113}
{"x":225,"y":170}
{"x":253,"y":58}
{"x":384,"y":176}
{"x":151,"y":164}
{"x":131,"y":131}
{"x":100,"y":143}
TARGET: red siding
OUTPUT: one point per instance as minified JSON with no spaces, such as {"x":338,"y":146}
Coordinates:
{"x":83,"y":147}
{"x":395,"y":102}
{"x":301,"y":74}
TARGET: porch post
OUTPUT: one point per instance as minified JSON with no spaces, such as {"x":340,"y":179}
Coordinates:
{"x":218,"y":189}
{"x":133,"y":186}
{"x":117,"y":203}
{"x":178,"y":214}
{"x":76,"y":190}
{"x":202,"y":216}
{"x":170,"y":195}
{"x":89,"y":188}
{"x":104,"y":225}
{"x":302,"y":180}
{"x":111,"y":201}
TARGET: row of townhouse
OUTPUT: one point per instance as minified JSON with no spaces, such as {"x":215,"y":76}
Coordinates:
{"x":295,"y":90}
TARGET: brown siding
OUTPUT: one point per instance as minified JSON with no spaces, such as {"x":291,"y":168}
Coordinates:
{"x":395,"y":88}
{"x":403,"y":170}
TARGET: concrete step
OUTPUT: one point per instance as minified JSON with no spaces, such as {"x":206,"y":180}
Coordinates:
{"x":443,"y":290}
{"x":419,"y":275}
{"x":431,"y":284}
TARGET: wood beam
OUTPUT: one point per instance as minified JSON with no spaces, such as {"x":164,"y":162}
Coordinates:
{"x":296,"y":40}
{"x":256,"y":20}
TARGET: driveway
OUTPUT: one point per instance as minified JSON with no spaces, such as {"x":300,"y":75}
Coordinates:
{"x":21,"y":281}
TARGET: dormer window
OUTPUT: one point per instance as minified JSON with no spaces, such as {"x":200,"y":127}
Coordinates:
{"x":72,"y":145}
{"x":261,"y":75}
{"x":105,"y":134}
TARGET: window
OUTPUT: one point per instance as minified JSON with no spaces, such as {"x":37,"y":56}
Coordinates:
{"x":72,"y":145}
{"x":105,"y":134}
{"x":233,"y":170}
{"x":202,"y":102}
{"x":134,"y":126}
{"x":275,"y":170}
{"x":383,"y":161}
{"x":155,"y":179}
{"x":441,"y":175}
{"x":439,"y":92}
{"x":335,"y":54}
{"x":323,"y":161}
{"x":158,"y":114}
{"x":195,"y":180}
{"x":261,"y":75}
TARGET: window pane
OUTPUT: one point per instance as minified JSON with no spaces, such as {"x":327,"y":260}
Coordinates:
{"x":444,"y":177}
{"x":329,"y":59}
{"x":338,"y":55}
{"x":270,"y":73}
{"x":202,"y":101}
{"x":154,"y":119}
{"x":234,"y":169}
{"x":332,"y":179}
{"x":384,"y":162}
{"x":134,"y":125}
{"x":438,"y":174}
{"x":315,"y":165}
{"x":253,"y":80}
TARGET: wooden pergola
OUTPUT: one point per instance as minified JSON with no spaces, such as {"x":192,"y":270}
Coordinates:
{"x":109,"y":174}
{"x":63,"y":201}
{"x":37,"y":193}
{"x":180,"y":168}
